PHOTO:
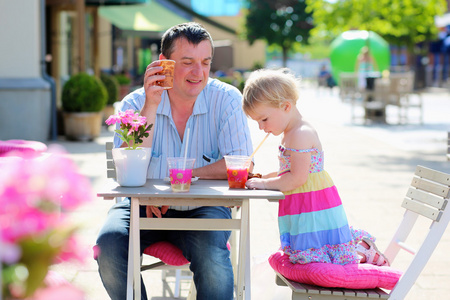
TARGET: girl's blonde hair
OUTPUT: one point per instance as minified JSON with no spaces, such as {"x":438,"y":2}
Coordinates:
{"x":270,"y":86}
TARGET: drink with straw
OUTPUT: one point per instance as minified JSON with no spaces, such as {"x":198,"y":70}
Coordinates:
{"x":237,"y":170}
{"x":180,"y":171}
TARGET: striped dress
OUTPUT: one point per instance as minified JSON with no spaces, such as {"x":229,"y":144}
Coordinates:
{"x":312,"y":221}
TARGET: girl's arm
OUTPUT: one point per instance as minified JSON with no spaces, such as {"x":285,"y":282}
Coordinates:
{"x":270,"y":175}
{"x":295,"y":178}
{"x":304,"y":138}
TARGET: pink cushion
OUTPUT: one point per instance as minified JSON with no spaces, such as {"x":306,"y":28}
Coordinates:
{"x":351,"y":276}
{"x":167,"y":253}
{"x":31,"y":147}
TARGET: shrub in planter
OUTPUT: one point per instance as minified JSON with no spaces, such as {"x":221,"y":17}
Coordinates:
{"x":125,"y":84}
{"x":83,"y":99}
{"x":123,"y":79}
{"x":84,"y":93}
{"x":112,"y":87}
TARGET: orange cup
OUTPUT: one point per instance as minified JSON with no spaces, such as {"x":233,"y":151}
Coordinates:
{"x":168,"y":70}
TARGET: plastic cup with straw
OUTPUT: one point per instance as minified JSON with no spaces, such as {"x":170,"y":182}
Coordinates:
{"x":237,"y":168}
{"x":180,"y":170}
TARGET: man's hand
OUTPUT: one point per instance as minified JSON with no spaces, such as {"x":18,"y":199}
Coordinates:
{"x":155,"y":210}
{"x":153,"y":91}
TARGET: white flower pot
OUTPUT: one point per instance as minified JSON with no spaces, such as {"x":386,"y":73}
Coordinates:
{"x":131,"y":166}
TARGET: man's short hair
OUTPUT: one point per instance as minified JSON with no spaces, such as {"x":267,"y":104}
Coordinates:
{"x":193,"y":32}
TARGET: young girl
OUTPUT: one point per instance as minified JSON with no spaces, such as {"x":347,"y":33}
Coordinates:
{"x":312,"y":221}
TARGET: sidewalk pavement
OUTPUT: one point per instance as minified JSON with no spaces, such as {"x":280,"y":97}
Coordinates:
{"x":371,"y":165}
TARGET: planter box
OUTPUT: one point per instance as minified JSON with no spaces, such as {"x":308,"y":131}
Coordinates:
{"x":82,"y":126}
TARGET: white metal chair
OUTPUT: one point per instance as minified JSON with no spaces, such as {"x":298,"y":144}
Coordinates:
{"x":427,"y":198}
{"x":348,"y":86}
{"x":448,"y":145}
{"x":403,"y":96}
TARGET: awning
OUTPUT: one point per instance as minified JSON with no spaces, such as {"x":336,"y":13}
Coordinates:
{"x":150,"y":20}
{"x":114,"y":2}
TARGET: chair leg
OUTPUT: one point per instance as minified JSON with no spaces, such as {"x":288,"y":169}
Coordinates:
{"x":192,"y":291}
{"x":176,"y":293}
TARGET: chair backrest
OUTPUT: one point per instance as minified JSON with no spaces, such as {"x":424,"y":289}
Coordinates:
{"x":348,"y":81}
{"x":427,"y":197}
{"x":348,"y":84}
{"x":402,"y":82}
{"x":110,"y":167}
{"x":448,"y":145}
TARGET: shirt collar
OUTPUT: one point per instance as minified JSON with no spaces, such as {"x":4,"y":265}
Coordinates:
{"x":199,"y":106}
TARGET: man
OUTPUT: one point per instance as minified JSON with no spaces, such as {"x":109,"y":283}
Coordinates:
{"x":218,"y":127}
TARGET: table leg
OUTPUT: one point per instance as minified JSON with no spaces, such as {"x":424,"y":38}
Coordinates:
{"x":130,"y":268}
{"x":135,"y":239}
{"x":244,"y":253}
{"x":248,"y":261}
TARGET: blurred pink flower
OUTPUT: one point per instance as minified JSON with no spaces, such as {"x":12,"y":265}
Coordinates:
{"x":36,"y":192}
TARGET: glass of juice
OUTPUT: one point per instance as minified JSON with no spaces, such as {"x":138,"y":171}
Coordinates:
{"x":237,"y":170}
{"x":168,"y":70}
{"x":180,"y":172}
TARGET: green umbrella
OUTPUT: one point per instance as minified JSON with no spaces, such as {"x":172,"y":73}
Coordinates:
{"x":346,"y":47}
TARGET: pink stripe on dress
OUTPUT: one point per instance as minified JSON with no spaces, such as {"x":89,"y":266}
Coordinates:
{"x":308,"y":202}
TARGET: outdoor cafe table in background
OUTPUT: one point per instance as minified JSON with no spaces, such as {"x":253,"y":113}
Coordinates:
{"x":202,"y":193}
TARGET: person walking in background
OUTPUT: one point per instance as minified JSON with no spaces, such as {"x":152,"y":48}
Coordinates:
{"x":365,"y":64}
{"x":212,"y":111}
{"x":325,"y":78}
{"x":312,"y":221}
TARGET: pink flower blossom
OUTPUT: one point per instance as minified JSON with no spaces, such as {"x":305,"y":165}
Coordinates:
{"x":35,"y":194}
{"x":131,"y":127}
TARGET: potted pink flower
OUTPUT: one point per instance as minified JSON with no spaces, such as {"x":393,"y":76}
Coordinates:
{"x":132,"y":127}
{"x":131,"y":162}
{"x":35,"y":195}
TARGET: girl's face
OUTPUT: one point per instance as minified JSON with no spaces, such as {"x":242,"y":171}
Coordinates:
{"x":272,"y":119}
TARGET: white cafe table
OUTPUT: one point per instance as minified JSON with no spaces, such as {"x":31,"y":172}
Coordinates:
{"x":202,"y":193}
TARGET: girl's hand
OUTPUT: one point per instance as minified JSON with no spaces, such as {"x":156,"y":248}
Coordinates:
{"x":255,"y":184}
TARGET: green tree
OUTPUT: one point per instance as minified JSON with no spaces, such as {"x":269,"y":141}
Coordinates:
{"x":282,"y":22}
{"x":399,"y":22}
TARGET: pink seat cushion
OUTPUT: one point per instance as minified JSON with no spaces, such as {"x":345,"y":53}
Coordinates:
{"x":29,"y":147}
{"x":167,"y":253}
{"x":351,"y":276}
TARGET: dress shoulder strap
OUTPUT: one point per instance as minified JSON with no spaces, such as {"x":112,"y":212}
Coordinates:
{"x":282,"y":148}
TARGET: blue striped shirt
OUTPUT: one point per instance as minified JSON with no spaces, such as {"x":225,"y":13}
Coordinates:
{"x":218,"y":127}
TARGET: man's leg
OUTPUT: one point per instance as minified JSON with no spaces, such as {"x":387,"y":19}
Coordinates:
{"x":208,"y":253}
{"x":113,"y":251}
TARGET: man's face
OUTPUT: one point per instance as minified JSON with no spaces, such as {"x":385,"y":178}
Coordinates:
{"x":193,"y":63}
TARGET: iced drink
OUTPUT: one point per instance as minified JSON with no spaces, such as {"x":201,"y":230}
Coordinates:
{"x":180,"y":171}
{"x":180,"y":180}
{"x":237,"y":178}
{"x":237,"y":171}
{"x":168,"y":70}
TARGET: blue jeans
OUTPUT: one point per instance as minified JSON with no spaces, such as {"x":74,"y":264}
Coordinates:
{"x":206,"y":250}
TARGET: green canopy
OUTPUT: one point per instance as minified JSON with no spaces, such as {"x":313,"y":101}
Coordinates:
{"x":114,"y":2}
{"x":150,"y":20}
{"x":346,"y":47}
